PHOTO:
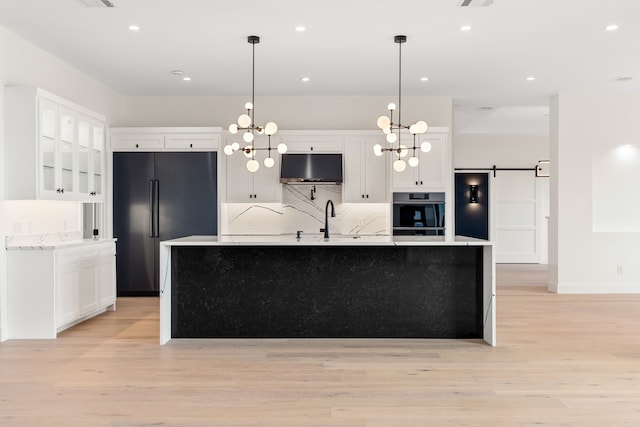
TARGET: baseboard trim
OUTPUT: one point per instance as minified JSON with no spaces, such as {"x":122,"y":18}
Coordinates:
{"x":607,"y":288}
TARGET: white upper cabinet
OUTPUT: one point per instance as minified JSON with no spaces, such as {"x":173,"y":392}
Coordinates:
{"x":91,"y":156}
{"x":304,"y":142}
{"x":434,"y":170}
{"x":54,"y":148}
{"x":262,"y":186}
{"x":165,"y":139}
{"x":364,"y":172}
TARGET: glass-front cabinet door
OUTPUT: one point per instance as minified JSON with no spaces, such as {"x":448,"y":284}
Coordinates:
{"x":48,"y":146}
{"x":67,"y":141}
{"x":97,"y":159}
{"x":84,"y":154}
{"x":90,"y":157}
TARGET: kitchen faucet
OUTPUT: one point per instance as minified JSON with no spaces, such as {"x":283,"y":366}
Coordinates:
{"x":326,"y":218}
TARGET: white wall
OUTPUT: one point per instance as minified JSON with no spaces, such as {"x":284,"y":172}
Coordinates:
{"x":291,"y":113}
{"x":23,"y":64}
{"x":506,"y":151}
{"x":586,"y":127}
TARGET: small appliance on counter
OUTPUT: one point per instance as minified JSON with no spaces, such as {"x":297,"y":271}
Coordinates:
{"x":418,"y":214}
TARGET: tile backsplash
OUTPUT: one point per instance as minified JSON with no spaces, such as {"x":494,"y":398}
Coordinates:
{"x":302,"y":210}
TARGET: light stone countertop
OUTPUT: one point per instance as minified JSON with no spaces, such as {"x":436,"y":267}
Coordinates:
{"x":318,"y":240}
{"x":50,"y":242}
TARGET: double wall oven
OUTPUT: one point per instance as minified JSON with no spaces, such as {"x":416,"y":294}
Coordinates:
{"x":418,"y":214}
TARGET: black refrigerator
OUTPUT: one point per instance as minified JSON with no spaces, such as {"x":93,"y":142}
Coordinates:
{"x":156,"y":197}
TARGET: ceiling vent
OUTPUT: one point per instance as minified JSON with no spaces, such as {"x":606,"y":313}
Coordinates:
{"x":623,"y":79}
{"x":474,"y":3}
{"x":97,"y":3}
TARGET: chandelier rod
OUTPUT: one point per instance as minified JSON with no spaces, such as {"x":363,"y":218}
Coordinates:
{"x":400,"y":41}
{"x":253,"y":77}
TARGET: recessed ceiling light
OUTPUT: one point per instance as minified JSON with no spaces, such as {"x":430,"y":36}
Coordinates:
{"x":300,"y":28}
{"x":623,"y":79}
{"x":177,"y":72}
{"x":530,"y":78}
{"x":305,"y":79}
{"x":186,"y":78}
{"x":134,"y":28}
{"x":611,"y":27}
{"x":465,"y":28}
{"x":424,"y":79}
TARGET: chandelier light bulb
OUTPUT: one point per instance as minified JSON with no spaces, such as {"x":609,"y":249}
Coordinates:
{"x":282,"y":148}
{"x":384,"y":122}
{"x":271,"y":128}
{"x":228,"y":150}
{"x":269,"y":162}
{"x":248,"y":151}
{"x":247,"y":137}
{"x":413,"y":161}
{"x":391,"y":138}
{"x":244,"y":121}
{"x":391,"y":106}
{"x":425,"y":147}
{"x":233,"y":129}
{"x":377,"y":150}
{"x":399,"y":165}
{"x":413,"y":129}
{"x":386,"y":131}
{"x":235,"y":146}
{"x":253,"y":165}
{"x":404,"y":151}
{"x":248,"y":106}
{"x":422,"y":126}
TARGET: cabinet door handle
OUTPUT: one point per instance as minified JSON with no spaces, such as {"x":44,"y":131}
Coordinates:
{"x":151,"y":208}
{"x":420,"y":182}
{"x":367,"y":196}
{"x":191,"y":145}
{"x":251,"y":196}
{"x":416,"y":182}
{"x":363,"y":196}
{"x":137,"y":145}
{"x":156,"y":195}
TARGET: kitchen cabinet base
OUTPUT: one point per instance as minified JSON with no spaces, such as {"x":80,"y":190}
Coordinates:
{"x":327,"y":292}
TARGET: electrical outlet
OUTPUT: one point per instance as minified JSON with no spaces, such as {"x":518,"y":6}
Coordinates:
{"x":619,"y":269}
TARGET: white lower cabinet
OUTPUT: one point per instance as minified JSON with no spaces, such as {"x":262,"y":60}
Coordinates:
{"x":52,"y":290}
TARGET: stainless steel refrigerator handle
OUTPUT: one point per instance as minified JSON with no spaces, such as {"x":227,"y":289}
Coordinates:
{"x":156,"y":196}
{"x":151,"y":206}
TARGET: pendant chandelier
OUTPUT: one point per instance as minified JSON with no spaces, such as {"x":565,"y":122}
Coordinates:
{"x":388,"y":126}
{"x":246,"y":123}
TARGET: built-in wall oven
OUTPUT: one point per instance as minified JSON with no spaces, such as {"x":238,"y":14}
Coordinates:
{"x":418,"y":214}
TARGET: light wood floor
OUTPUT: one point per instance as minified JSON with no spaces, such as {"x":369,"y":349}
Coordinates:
{"x":561,"y":360}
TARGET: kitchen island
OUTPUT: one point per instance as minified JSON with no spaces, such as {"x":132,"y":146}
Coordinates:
{"x":346,"y":287}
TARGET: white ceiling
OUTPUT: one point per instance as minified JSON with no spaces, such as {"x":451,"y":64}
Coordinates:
{"x":348,"y":49}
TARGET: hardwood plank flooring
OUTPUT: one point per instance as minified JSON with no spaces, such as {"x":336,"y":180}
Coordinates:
{"x":561,"y":360}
